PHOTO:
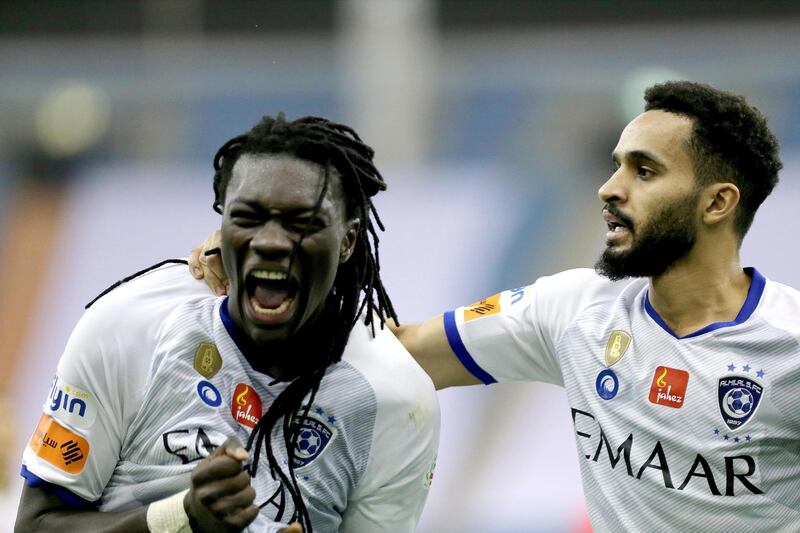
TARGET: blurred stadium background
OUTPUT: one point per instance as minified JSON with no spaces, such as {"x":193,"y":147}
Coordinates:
{"x":493,"y":122}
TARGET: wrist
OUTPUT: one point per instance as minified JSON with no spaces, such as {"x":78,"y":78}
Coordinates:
{"x":169,"y":515}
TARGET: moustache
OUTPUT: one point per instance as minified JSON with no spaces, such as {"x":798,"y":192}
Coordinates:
{"x":617,"y":213}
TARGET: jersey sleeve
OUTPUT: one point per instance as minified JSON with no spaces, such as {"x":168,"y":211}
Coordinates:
{"x":513,"y":335}
{"x":96,"y":392}
{"x":392,"y":491}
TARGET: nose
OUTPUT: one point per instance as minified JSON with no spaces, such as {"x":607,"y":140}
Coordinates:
{"x":272,"y":239}
{"x":613,"y":190}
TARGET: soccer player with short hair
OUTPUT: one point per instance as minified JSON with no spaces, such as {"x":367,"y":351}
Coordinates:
{"x":682,"y":369}
{"x":161,"y":380}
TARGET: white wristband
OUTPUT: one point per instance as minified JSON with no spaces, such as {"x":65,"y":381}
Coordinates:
{"x":168,"y":515}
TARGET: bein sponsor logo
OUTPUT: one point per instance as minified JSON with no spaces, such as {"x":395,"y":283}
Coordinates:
{"x":71,"y":405}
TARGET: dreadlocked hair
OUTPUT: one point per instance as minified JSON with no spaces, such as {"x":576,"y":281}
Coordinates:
{"x":357,"y":287}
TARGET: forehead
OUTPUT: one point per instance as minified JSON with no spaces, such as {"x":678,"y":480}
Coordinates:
{"x":661,"y":133}
{"x":281,"y":181}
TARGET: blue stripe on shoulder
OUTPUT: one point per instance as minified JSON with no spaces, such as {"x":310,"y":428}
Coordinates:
{"x":457,"y":345}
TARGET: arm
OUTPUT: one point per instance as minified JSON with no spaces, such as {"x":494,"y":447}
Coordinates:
{"x":40,"y":509}
{"x":220,"y":499}
{"x":427,"y":342}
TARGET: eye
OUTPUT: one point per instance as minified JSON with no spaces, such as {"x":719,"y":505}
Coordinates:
{"x":307,"y":224}
{"x":644,"y":172}
{"x":245,"y":218}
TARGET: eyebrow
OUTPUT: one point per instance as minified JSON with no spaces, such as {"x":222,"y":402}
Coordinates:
{"x":257,"y":206}
{"x":639,"y":155}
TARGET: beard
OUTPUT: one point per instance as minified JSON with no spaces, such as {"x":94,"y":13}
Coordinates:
{"x":668,"y":237}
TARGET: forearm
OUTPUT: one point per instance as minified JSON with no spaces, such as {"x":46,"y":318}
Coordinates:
{"x":84,"y":521}
{"x":42,"y":510}
{"x":428,"y":344}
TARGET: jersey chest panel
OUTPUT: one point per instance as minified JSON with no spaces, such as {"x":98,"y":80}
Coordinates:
{"x":672,"y":424}
{"x":185,"y":415}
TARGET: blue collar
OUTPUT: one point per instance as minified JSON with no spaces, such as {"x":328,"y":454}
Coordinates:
{"x":751,"y":302}
{"x":230,"y":327}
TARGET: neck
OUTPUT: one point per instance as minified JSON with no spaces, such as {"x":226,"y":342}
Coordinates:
{"x":699,"y":290}
{"x":287,"y":359}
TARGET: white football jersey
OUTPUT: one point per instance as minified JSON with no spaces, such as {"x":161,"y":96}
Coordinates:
{"x":152,"y":380}
{"x":697,"y":433}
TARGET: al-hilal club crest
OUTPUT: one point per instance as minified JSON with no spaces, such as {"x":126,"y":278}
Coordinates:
{"x":312,"y":437}
{"x":739,"y":397}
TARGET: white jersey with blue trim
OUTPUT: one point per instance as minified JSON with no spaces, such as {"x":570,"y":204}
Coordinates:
{"x":697,"y":433}
{"x":151,"y":381}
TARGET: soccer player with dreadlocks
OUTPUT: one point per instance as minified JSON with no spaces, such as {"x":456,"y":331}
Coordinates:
{"x":161,"y":381}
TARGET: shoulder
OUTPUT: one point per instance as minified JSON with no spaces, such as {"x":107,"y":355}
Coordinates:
{"x":392,"y":373}
{"x":128,"y":321}
{"x":146,"y":298}
{"x":583,"y":284}
{"x":566,"y":295}
{"x":780,"y":306}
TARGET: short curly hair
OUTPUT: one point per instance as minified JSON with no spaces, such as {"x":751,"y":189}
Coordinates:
{"x":730,"y":141}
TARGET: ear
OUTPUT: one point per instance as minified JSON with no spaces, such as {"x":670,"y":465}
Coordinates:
{"x":349,"y":240}
{"x":719,"y":202}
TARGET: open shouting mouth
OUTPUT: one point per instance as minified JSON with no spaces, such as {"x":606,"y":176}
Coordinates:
{"x":271,"y":295}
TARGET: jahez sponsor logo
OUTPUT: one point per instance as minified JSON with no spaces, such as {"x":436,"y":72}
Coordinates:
{"x":59,"y":446}
{"x":246,"y":405}
{"x":669,"y":387}
{"x":70,"y":404}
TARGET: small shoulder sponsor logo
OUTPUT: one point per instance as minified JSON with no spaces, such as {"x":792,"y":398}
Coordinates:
{"x":59,"y":446}
{"x":607,"y":384}
{"x":669,"y":387}
{"x":70,"y":404}
{"x":246,"y":405}
{"x":428,"y":479}
{"x":616,"y":346}
{"x":209,"y":394}
{"x":739,"y":397}
{"x":486,"y":307}
{"x":516,"y":295}
{"x":312,"y":438}
{"x":207,"y":360}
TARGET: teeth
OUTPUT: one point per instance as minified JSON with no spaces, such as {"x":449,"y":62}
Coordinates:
{"x":269,"y":274}
{"x":268,"y":312}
